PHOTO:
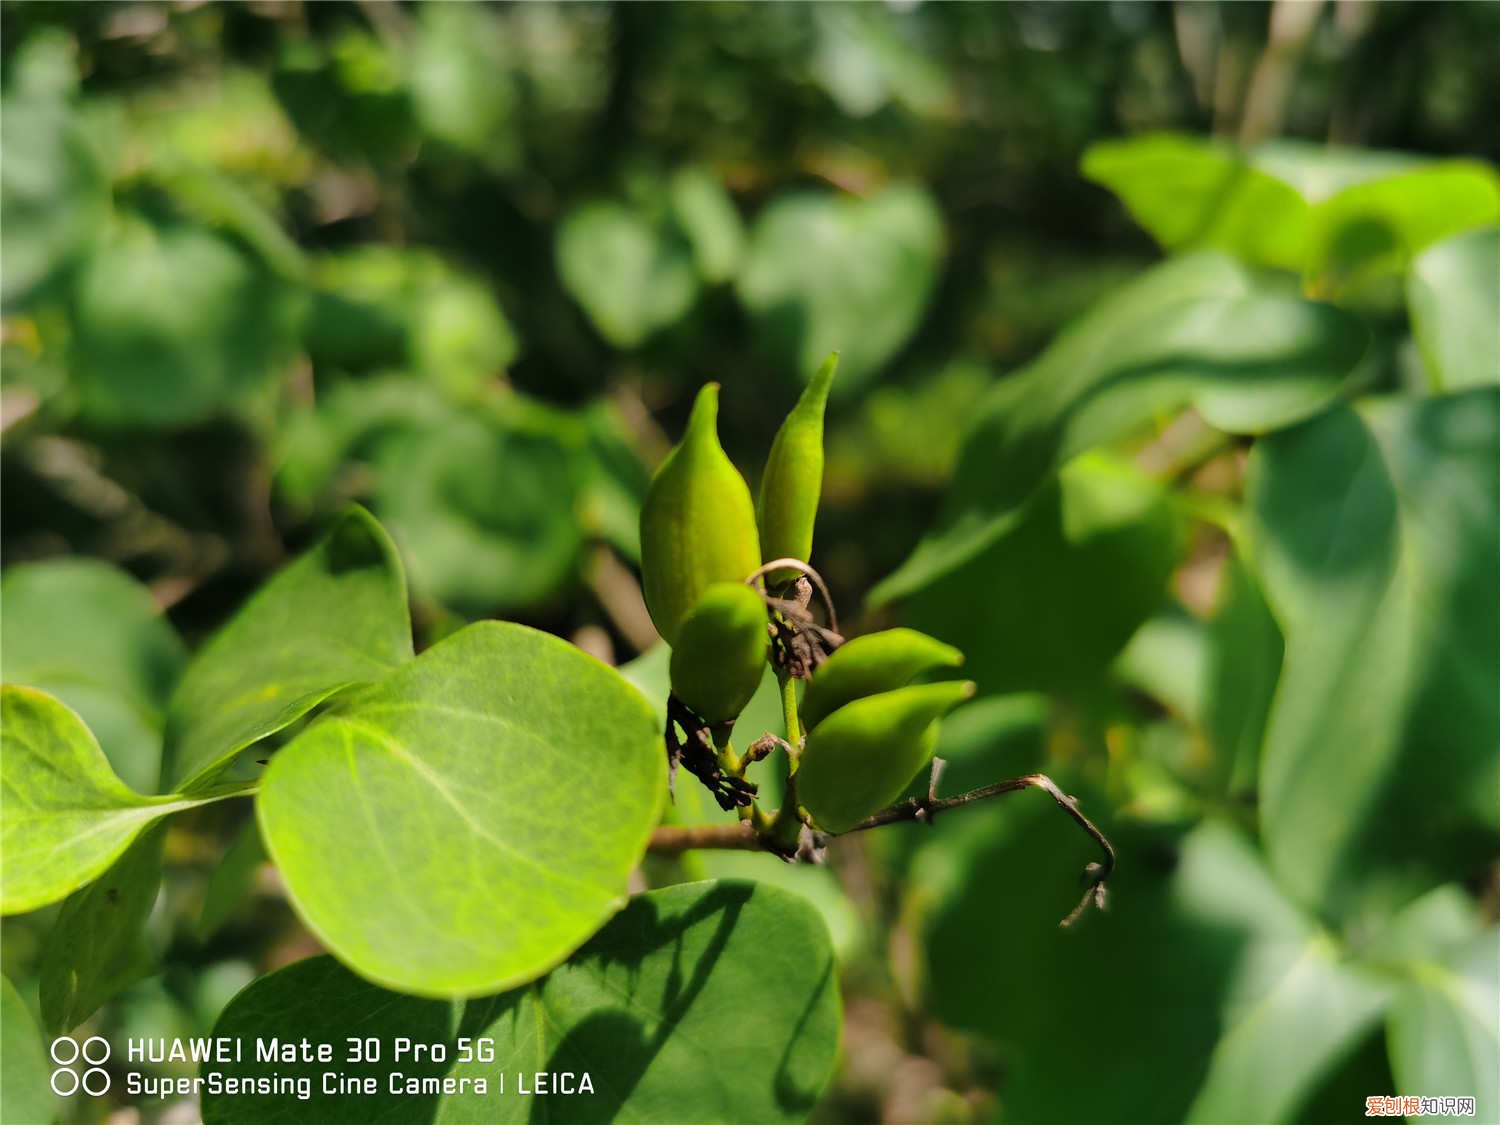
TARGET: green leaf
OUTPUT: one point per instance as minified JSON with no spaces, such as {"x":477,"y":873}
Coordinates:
{"x":1192,"y":194}
{"x":1194,"y":331}
{"x":1049,"y":603}
{"x":1244,"y":664}
{"x":1301,"y":207}
{"x":632,"y":276}
{"x":54,"y":191}
{"x":1453,"y":292}
{"x":65,"y":817}
{"x":232,"y":881}
{"x":25,"y":1096}
{"x":482,"y":505}
{"x":462,"y":91}
{"x":1375,"y":534}
{"x":704,"y":212}
{"x":466,"y":823}
{"x":1225,"y":974}
{"x":1444,"y":1031}
{"x":174,"y":325}
{"x":378,"y":307}
{"x":333,"y":618}
{"x":90,"y":635}
{"x":96,"y":947}
{"x":828,"y":273}
{"x":1379,"y":224}
{"x":644,"y":1009}
{"x":1292,"y":1016}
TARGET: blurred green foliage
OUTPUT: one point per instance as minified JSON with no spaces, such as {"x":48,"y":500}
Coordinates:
{"x":1217,"y":534}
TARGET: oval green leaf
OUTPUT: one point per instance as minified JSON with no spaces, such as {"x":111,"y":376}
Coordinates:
{"x":469,"y":821}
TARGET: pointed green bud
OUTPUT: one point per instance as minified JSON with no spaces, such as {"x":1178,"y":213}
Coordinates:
{"x":697,"y":522}
{"x":793,"y":480}
{"x":862,"y":757}
{"x":720,"y":653}
{"x":871,"y":664}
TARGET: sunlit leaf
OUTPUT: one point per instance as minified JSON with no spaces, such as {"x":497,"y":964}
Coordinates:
{"x":469,"y":821}
{"x":65,"y":816}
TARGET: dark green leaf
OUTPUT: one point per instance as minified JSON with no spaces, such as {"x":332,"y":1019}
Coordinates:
{"x":335,"y":617}
{"x":644,"y":1009}
{"x":1224,"y":976}
{"x":1193,"y":331}
{"x":469,"y":821}
{"x":1375,"y":537}
{"x":174,"y":325}
{"x":1051,"y":601}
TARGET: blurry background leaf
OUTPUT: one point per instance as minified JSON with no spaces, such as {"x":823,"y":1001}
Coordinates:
{"x":232,"y":881}
{"x":1215,"y":951}
{"x":384,"y":307}
{"x":460,"y":82}
{"x":829,"y":273}
{"x":1192,"y":194}
{"x":1445,"y":1030}
{"x":1194,"y":330}
{"x":632,"y":275}
{"x":54,"y":192}
{"x":90,"y":635}
{"x":1374,"y":535}
{"x":1453,"y":292}
{"x":174,"y":325}
{"x":1050,"y":602}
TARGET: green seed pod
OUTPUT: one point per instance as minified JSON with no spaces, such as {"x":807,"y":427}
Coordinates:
{"x":697,"y":523}
{"x":860,"y":759}
{"x":720,"y":654}
{"x":871,"y":664}
{"x":793,"y":479}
